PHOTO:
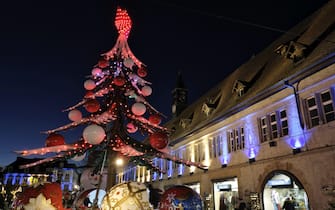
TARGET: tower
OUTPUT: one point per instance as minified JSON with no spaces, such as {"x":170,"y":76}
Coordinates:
{"x":179,"y":94}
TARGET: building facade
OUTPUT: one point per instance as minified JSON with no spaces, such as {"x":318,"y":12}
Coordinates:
{"x":266,"y":132}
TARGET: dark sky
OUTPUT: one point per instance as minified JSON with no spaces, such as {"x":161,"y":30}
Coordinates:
{"x":48,"y":47}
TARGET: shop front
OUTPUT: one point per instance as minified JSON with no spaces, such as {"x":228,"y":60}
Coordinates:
{"x":283,"y":191}
{"x":225,"y":194}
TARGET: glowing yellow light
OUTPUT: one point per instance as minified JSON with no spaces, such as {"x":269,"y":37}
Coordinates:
{"x":119,"y":162}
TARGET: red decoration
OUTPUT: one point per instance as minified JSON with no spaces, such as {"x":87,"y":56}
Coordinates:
{"x":103,"y":63}
{"x":54,"y":139}
{"x":92,"y":105}
{"x":119,"y":81}
{"x":142,"y":72}
{"x":50,"y":191}
{"x":89,"y":94}
{"x":158,"y":140}
{"x":155,"y":119}
{"x":122,"y":22}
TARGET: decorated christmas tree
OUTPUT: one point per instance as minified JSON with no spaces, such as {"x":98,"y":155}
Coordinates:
{"x":113,"y":110}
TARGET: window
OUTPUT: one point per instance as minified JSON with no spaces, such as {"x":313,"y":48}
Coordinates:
{"x":264,"y":129}
{"x":320,"y":108}
{"x":327,"y":106}
{"x":313,"y":113}
{"x":210,"y":146}
{"x":273,"y":125}
{"x":236,"y":140}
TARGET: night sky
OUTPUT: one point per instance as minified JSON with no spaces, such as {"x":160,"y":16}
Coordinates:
{"x":48,"y":47}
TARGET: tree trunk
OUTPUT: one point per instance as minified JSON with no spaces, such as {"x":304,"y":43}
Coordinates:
{"x":111,"y":173}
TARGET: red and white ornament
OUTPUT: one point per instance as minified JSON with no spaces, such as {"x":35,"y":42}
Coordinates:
{"x":146,"y":90}
{"x":138,"y":109}
{"x":75,"y":115}
{"x":89,"y":84}
{"x":94,"y":134}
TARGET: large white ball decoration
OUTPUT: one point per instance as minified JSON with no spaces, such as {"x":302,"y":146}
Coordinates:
{"x":96,"y":72}
{"x":78,"y":158}
{"x":138,"y":109}
{"x":128,"y":62}
{"x":94,"y":134}
{"x":89,"y":84}
{"x":146,"y":90}
{"x":75,"y":115}
{"x":128,"y":195}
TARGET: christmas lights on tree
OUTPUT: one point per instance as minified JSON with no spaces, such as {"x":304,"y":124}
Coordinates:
{"x":114,"y":108}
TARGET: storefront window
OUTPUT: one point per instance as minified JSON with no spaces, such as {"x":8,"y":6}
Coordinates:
{"x":282,"y":188}
{"x":226,"y":194}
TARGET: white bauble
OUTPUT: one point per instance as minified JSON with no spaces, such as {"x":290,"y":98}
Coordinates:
{"x":146,"y":90}
{"x":128,"y":62}
{"x":94,"y":134}
{"x":138,"y":109}
{"x":75,"y":115}
{"x":89,"y":84}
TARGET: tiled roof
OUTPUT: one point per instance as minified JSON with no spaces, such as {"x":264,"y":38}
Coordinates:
{"x":294,"y":54}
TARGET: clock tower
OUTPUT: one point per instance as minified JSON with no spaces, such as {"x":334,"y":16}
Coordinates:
{"x":179,"y":94}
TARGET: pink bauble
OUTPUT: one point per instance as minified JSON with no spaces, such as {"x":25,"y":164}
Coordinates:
{"x":89,"y":84}
{"x":128,"y":62}
{"x":96,"y":72}
{"x":75,"y":115}
{"x":94,"y":134}
{"x":146,"y":90}
{"x":138,"y":109}
{"x":131,"y":128}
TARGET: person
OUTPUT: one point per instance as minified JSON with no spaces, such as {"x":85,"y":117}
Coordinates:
{"x":289,"y":203}
{"x":275,"y":200}
{"x":242,"y":206}
{"x":223,"y":205}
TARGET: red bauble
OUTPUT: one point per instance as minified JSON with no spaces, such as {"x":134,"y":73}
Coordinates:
{"x":92,"y":105}
{"x":103,"y":63}
{"x":142,"y":72}
{"x":89,"y":94}
{"x":119,"y":81}
{"x":155,"y":119}
{"x":158,"y":140}
{"x":54,"y":139}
